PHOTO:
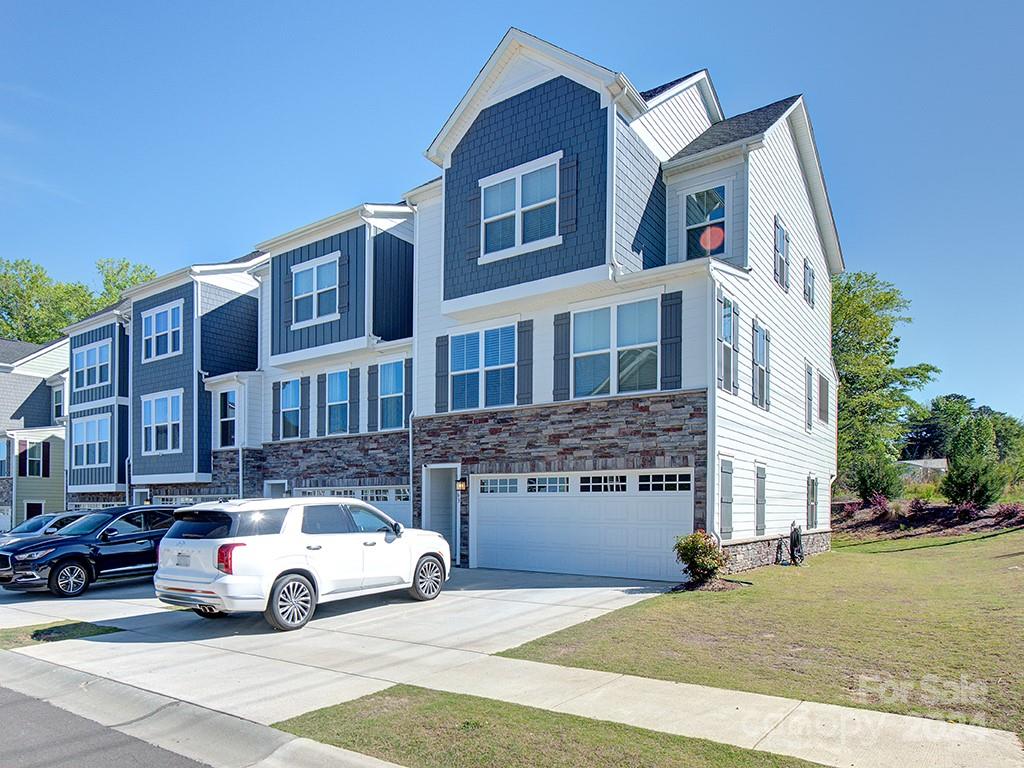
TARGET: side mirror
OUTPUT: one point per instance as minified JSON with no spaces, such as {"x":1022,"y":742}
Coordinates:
{"x":50,"y":531}
{"x":108,"y":534}
{"x":399,"y":529}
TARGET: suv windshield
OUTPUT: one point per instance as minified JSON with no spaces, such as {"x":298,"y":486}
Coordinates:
{"x":84,"y":525}
{"x":33,"y":524}
{"x":211,"y":524}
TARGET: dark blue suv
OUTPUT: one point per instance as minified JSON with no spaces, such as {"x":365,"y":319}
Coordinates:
{"x":116,"y":543}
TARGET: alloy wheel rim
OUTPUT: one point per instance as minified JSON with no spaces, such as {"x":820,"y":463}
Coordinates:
{"x":294,"y":602}
{"x":428,"y":580}
{"x":71,"y":579}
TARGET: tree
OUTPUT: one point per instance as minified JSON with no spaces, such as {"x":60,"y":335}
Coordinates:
{"x":35,"y":307}
{"x":931,"y":428}
{"x":873,"y":391}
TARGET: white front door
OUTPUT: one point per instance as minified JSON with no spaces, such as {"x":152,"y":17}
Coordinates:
{"x":385,"y":555}
{"x":333,"y":552}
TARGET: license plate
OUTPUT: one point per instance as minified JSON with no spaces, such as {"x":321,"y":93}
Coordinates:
{"x":184,"y":561}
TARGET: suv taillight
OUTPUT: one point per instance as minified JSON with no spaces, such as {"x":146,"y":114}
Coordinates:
{"x":226,"y":557}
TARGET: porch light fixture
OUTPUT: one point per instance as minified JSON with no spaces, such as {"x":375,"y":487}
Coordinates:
{"x":462,"y":485}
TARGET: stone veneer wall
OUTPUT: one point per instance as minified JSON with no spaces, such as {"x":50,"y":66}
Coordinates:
{"x":225,"y":471}
{"x":6,"y":491}
{"x":653,"y":431}
{"x":102,"y":497}
{"x":754,"y":553}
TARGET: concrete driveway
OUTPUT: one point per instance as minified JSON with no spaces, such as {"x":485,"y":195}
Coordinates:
{"x":351,"y":648}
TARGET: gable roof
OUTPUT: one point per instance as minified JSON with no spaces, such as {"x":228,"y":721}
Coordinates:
{"x":13,"y":350}
{"x":737,"y":128}
{"x":660,"y":89}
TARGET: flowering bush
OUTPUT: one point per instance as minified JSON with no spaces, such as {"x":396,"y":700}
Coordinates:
{"x":917,"y":506}
{"x":880,"y":502}
{"x":700,"y":554}
{"x":967,"y":511}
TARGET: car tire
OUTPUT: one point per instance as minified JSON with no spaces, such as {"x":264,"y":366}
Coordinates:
{"x":291,"y":604}
{"x":209,"y":613}
{"x":427,"y":578}
{"x":69,"y":579}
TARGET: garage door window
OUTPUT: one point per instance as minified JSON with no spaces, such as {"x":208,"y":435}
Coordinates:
{"x":603,"y":484}
{"x":632,"y":334}
{"x":664,"y":482}
{"x":547,"y":485}
{"x":374,"y":494}
{"x":499,"y":485}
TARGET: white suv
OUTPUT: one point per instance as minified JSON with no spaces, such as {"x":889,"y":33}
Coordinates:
{"x":286,"y":556}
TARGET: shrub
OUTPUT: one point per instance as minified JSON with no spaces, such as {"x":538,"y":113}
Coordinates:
{"x":700,"y":554}
{"x":917,"y":506}
{"x":922,"y":491}
{"x":851,"y":507}
{"x":1011,"y":509}
{"x":878,"y":475}
{"x":979,"y":480}
{"x":967,"y":511}
{"x":880,"y":502}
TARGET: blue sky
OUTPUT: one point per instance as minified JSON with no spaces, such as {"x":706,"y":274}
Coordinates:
{"x":187,"y":132}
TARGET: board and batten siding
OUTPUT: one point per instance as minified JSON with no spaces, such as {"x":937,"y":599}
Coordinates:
{"x":674,"y":123}
{"x":109,"y":333}
{"x":392,"y":287}
{"x":777,"y":439}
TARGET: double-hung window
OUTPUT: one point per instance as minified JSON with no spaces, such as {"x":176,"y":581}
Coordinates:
{"x":761,"y":366}
{"x":227,"y":417}
{"x":91,"y":442}
{"x":58,"y":402}
{"x":728,"y":352}
{"x":92,"y":365}
{"x":519,"y":207}
{"x":705,"y":223}
{"x":632,"y":334}
{"x":161,"y":423}
{"x":337,"y":403}
{"x":161,"y":332}
{"x":291,"y":408}
{"x":808,"y":283}
{"x":781,"y":254}
{"x":5,"y":458}
{"x":499,"y":368}
{"x":315,"y":290}
{"x":812,"y":503}
{"x":34,"y":459}
{"x":392,"y":395}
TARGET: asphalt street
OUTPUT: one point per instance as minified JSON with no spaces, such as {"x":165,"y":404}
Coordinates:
{"x":35,"y":734}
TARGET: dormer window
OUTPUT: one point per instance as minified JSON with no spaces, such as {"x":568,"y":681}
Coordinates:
{"x":705,"y":223}
{"x":519,"y":208}
{"x":315,"y":290}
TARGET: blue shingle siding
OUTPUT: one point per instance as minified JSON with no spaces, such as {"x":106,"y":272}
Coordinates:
{"x":103,"y":333}
{"x":352,"y":245}
{"x":392,"y":287}
{"x":24,"y":402}
{"x":639,"y":203}
{"x":178,"y":372}
{"x":100,"y":475}
{"x":229,"y":328}
{"x":557,"y":115}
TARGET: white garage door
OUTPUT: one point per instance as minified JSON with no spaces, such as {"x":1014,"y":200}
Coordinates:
{"x":606,"y":524}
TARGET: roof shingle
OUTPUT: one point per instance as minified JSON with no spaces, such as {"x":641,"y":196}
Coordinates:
{"x":658,"y":90}
{"x":12,"y":350}
{"x":737,"y":128}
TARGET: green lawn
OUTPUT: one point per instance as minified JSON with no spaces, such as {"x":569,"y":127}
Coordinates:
{"x":50,"y":633}
{"x":419,"y":728}
{"x":939,"y":621}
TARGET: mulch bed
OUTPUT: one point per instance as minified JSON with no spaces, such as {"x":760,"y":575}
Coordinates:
{"x":712,"y":585}
{"x":933,"y":520}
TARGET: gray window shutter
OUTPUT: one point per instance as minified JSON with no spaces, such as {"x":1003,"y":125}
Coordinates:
{"x":735,"y":347}
{"x":343,"y":283}
{"x":759,"y":501}
{"x":304,"y":407}
{"x":407,"y":378}
{"x":22,"y":458}
{"x":754,"y":373}
{"x":286,"y":291}
{"x":787,"y":261}
{"x":672,"y":340}
{"x":321,"y":404}
{"x":775,"y":252}
{"x":441,"y":375}
{"x":371,"y":399}
{"x":276,"y":429}
{"x":524,"y":362}
{"x":568,"y":180}
{"x":726,"y":503}
{"x":808,"y":398}
{"x":473,"y":212}
{"x":767,"y":369}
{"x":561,"y":358}
{"x":46,"y":458}
{"x":353,"y":401}
{"x":720,"y":340}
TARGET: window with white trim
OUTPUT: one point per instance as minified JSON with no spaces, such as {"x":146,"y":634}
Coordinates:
{"x":161,"y":332}
{"x":57,"y":399}
{"x":603,"y":484}
{"x":499,"y":485}
{"x":781,"y":254}
{"x":5,"y":458}
{"x":728,"y":355}
{"x":812,"y":503}
{"x":315,"y":290}
{"x":34,"y":459}
{"x":808,"y":283}
{"x":337,"y":403}
{"x":631,"y":331}
{"x":91,"y":366}
{"x":761,"y":385}
{"x":291,"y":408}
{"x":661,"y":482}
{"x":498,"y":382}
{"x":392,"y":395}
{"x":161,"y":423}
{"x":705,"y":223}
{"x":547,"y":485}
{"x":227,"y":402}
{"x":519,"y":207}
{"x":90,"y":440}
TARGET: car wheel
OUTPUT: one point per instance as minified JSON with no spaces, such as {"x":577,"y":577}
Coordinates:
{"x":292,"y":602}
{"x":69,"y":579}
{"x":209,"y":613}
{"x":427,"y":579}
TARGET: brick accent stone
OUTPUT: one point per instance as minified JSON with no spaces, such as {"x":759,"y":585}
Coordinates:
{"x":754,"y":553}
{"x":93,"y":497}
{"x":225,"y":471}
{"x":380,"y":458}
{"x":6,"y":491}
{"x":654,"y":431}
